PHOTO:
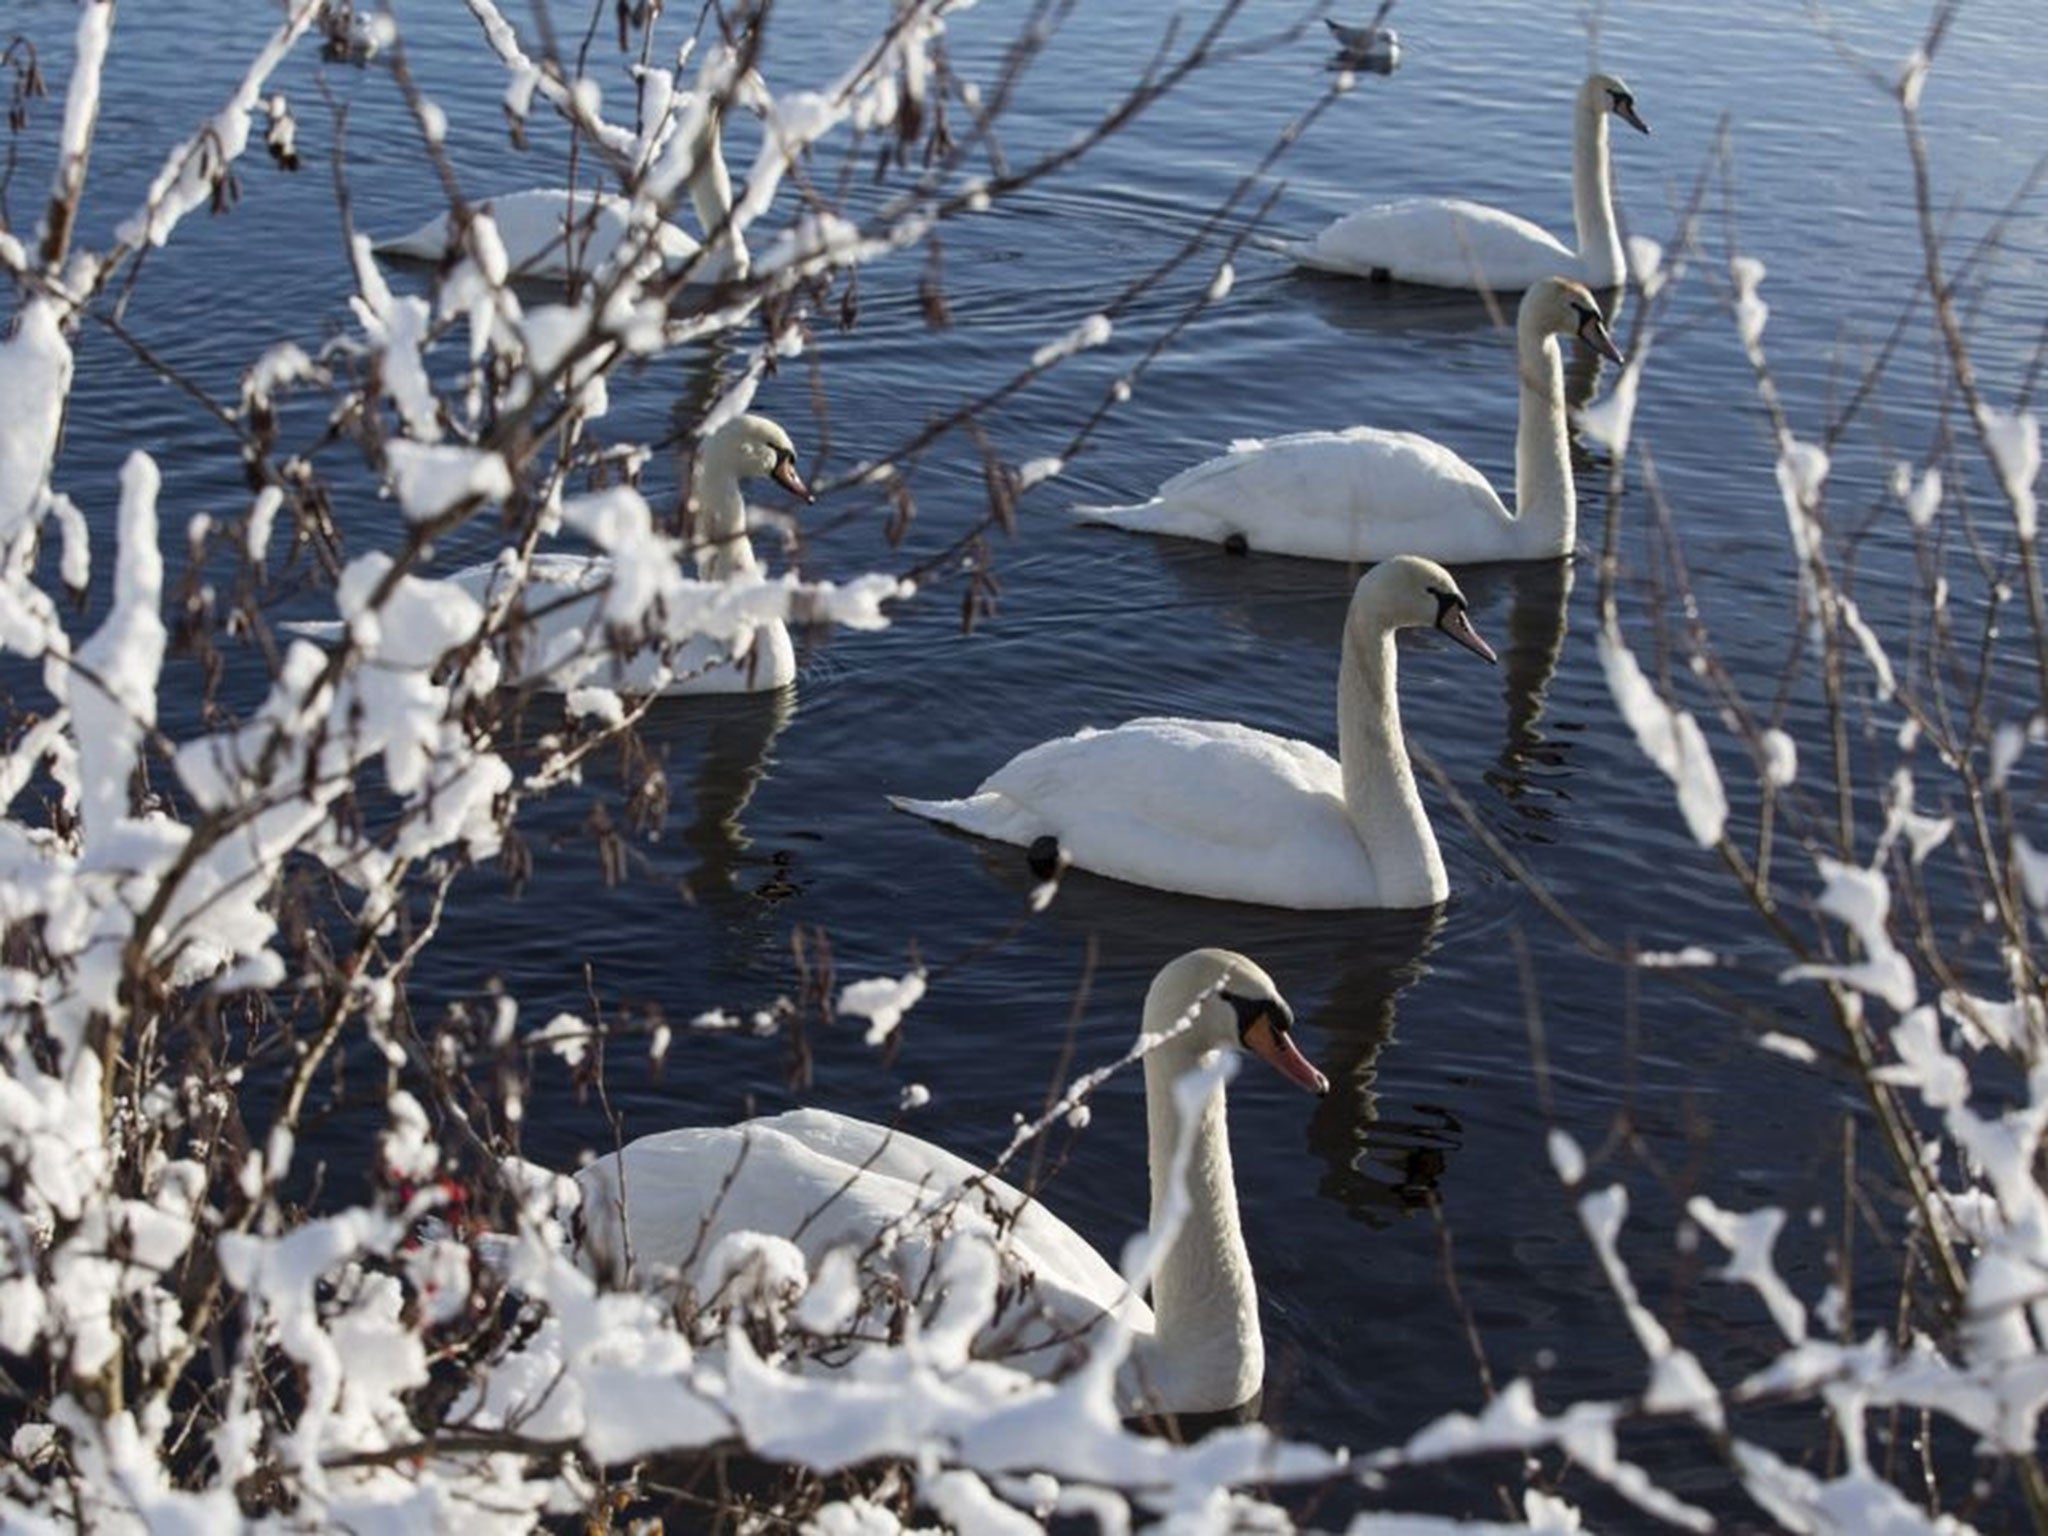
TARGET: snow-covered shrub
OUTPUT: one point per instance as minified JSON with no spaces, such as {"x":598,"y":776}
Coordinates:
{"x":197,"y":928}
{"x":1875,"y":800}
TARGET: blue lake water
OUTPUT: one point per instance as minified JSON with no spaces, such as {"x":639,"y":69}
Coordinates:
{"x":1422,"y":1022}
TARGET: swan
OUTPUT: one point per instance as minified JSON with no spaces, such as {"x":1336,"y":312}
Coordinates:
{"x":1365,"y":494}
{"x":663,"y":1203}
{"x":535,"y":227}
{"x":1371,"y":44}
{"x":554,"y":647}
{"x":564,"y":592}
{"x":1446,"y":242}
{"x":1214,"y":808}
{"x":552,"y":233}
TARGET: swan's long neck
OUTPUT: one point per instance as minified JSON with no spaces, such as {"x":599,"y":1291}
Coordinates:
{"x":1593,"y":196}
{"x":711,"y":194}
{"x":1546,"y":502}
{"x":1379,"y":784}
{"x":1206,"y":1353}
{"x":719,"y":527}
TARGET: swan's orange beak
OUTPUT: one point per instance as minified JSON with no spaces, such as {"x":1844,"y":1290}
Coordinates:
{"x":1454,"y":623}
{"x":1626,"y":111}
{"x":1271,"y":1045}
{"x":1596,"y":335}
{"x":785,"y":475}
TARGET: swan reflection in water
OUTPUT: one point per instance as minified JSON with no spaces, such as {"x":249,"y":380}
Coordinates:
{"x":1532,"y":762}
{"x":712,"y":754}
{"x":737,"y":737}
{"x":1378,"y":1166}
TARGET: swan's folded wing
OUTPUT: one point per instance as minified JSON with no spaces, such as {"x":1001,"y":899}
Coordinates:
{"x":426,"y":242}
{"x":1208,"y":808}
{"x":565,"y":572}
{"x":862,"y":1144}
{"x":669,"y":1198}
{"x":532,"y":225}
{"x":1054,"y":1249}
{"x":1445,"y":242}
{"x":1363,"y":495}
{"x":825,"y":1182}
{"x":562,"y":645}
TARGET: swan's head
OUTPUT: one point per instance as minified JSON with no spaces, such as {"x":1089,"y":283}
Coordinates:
{"x":1235,"y":1006}
{"x":1610,"y":93}
{"x":1557,"y":306}
{"x":1409,"y":592}
{"x":753,"y":446}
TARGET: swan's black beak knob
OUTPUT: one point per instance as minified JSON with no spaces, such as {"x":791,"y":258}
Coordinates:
{"x":1042,"y":858}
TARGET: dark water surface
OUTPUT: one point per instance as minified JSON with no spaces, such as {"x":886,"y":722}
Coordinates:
{"x":1420,"y":1020}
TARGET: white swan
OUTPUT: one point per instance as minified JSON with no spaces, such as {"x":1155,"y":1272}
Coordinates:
{"x":1367,"y":494}
{"x":827,"y":1181}
{"x":1446,"y":242}
{"x":564,"y":593}
{"x":1214,"y":808}
{"x":552,"y":232}
{"x":553,"y":645}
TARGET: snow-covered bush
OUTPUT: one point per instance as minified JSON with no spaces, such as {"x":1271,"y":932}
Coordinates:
{"x":1875,"y":800}
{"x":197,"y":927}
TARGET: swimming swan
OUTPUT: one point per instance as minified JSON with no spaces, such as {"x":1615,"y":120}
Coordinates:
{"x":564,"y":593}
{"x":1214,"y":808}
{"x":552,"y":646}
{"x":552,"y":232}
{"x":827,"y":1181}
{"x":1366,"y":494}
{"x":1447,"y":242}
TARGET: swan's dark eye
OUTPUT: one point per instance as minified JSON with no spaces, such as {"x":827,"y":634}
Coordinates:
{"x":1447,"y":603}
{"x":1622,"y":100}
{"x":1250,"y":1010}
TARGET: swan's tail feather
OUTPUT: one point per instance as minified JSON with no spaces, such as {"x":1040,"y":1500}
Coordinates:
{"x":987,"y":814}
{"x":930,"y":810}
{"x":323,"y":630}
{"x":427,"y":243}
{"x":1300,"y":252}
{"x":1114,"y":516}
{"x":1306,"y":255}
{"x":1152,"y":516}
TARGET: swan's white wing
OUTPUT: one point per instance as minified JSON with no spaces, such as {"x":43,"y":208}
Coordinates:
{"x":1358,"y":495}
{"x":1445,"y":242}
{"x":556,"y":650}
{"x":705,"y":666}
{"x":1209,"y":808}
{"x":562,"y":594}
{"x":824,"y":1181}
{"x":531,"y":226}
{"x":427,"y":242}
{"x":1051,"y":1246}
{"x":667,"y":1199}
